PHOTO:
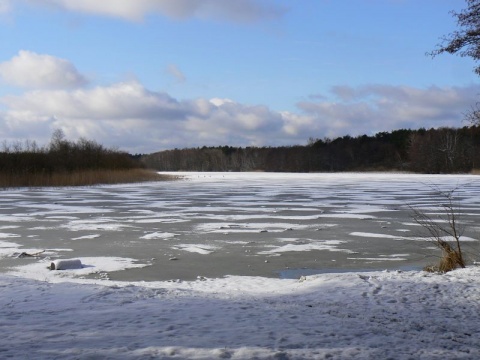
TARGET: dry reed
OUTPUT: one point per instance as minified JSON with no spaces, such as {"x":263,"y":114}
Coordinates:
{"x":80,"y":178}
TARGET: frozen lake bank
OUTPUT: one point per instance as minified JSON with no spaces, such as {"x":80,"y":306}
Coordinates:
{"x":217,"y":224}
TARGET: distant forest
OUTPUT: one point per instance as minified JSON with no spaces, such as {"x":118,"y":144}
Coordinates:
{"x":433,"y":151}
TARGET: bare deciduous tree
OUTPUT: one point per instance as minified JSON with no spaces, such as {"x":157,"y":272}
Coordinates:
{"x":473,"y":115}
{"x":465,"y":42}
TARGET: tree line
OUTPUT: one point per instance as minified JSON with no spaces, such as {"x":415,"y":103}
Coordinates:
{"x":443,"y":150}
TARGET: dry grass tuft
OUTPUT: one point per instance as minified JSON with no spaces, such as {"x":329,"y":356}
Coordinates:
{"x":450,"y":259}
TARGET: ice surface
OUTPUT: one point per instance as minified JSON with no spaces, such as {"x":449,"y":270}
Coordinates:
{"x":311,"y":221}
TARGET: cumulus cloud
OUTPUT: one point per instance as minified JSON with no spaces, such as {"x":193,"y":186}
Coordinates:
{"x":32,"y":70}
{"x":119,"y":101}
{"x":134,"y":10}
{"x":128,"y":115}
{"x":225,"y":122}
{"x":136,"y":119}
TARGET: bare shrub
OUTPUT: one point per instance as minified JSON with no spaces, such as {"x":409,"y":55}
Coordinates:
{"x":444,"y":231}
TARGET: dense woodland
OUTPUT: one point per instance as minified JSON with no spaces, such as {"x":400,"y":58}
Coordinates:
{"x":444,"y":150}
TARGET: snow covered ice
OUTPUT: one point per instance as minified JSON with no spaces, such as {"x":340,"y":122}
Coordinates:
{"x":283,"y":298}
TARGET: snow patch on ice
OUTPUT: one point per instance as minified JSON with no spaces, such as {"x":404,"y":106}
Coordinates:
{"x":378,"y":259}
{"x":8,"y":227}
{"x":196,"y":248}
{"x":249,"y":227}
{"x":347,"y":216}
{"x":375,"y":235}
{"x":386,"y":236}
{"x":64,"y":209}
{"x":159,"y":220}
{"x":8,"y":235}
{"x":158,"y":235}
{"x":91,"y":265}
{"x":7,"y":248}
{"x":86,"y":237}
{"x":16,"y":218}
{"x":92,"y":225}
{"x":326,"y":245}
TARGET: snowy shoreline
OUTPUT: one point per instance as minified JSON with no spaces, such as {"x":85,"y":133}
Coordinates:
{"x":386,"y":314}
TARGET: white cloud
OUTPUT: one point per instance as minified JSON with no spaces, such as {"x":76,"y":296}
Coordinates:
{"x":32,"y":70}
{"x":231,"y":123}
{"x":119,"y":101}
{"x":219,"y":102}
{"x":134,"y":10}
{"x":133,"y":118}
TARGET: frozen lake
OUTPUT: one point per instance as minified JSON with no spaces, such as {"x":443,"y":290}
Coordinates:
{"x":217,"y":224}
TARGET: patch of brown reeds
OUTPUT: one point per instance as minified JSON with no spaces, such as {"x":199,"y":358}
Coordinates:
{"x":450,"y":260}
{"x":80,"y":178}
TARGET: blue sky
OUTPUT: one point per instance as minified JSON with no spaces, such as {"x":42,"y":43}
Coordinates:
{"x":148,"y":75}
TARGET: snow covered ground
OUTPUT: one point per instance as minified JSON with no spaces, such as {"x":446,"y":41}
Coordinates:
{"x":379,"y":315}
{"x":107,"y":310}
